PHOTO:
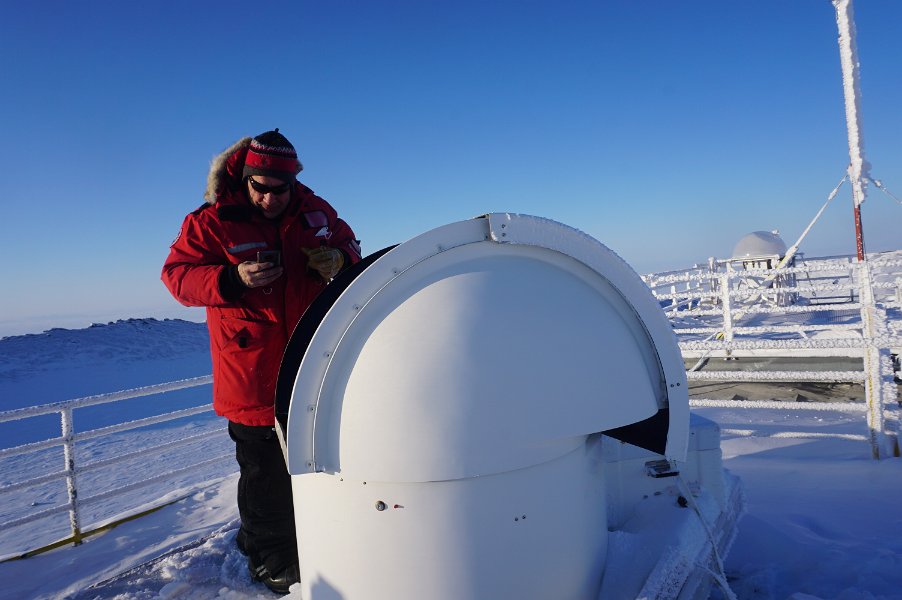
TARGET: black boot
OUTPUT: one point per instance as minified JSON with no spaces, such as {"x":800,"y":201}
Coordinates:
{"x":281,"y":581}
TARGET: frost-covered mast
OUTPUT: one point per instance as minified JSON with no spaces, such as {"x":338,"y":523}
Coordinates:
{"x":858,"y":167}
{"x":880,"y":392}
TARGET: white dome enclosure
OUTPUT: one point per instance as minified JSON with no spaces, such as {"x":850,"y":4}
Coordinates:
{"x":762,"y":251}
{"x":440,"y":406}
{"x":760,"y":245}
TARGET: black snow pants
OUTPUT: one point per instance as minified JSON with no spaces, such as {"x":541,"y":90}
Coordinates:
{"x":265,"y":505}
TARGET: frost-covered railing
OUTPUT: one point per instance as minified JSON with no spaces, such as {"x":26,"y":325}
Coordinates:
{"x":69,"y":438}
{"x":831,"y":306}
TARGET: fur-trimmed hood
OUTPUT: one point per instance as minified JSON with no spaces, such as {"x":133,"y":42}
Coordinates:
{"x":226,"y":170}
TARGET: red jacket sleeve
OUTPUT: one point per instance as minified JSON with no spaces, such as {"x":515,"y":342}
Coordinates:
{"x":342,"y":236}
{"x":195,"y":263}
{"x":343,"y":239}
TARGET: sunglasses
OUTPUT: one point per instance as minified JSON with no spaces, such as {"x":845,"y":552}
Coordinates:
{"x":269,"y":189}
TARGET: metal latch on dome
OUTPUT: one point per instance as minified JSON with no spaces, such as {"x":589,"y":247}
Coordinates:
{"x":499,"y":223}
{"x":660,"y":468}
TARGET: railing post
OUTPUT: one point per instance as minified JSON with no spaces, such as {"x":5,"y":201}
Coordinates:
{"x":727,"y":310}
{"x":880,"y":394}
{"x":69,"y":456}
{"x":890,"y":402}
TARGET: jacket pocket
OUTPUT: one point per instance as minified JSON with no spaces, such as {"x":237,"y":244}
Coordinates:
{"x":247,"y":364}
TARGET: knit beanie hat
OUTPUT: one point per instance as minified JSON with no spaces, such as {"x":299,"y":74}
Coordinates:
{"x":272,"y":155}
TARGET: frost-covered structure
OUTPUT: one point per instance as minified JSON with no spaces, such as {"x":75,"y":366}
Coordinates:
{"x":760,"y":250}
{"x":473,"y":413}
{"x":758,"y":253}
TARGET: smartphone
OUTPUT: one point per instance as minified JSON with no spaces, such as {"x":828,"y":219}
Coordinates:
{"x":270,"y":256}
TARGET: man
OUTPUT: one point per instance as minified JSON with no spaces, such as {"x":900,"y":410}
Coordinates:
{"x":256,"y":255}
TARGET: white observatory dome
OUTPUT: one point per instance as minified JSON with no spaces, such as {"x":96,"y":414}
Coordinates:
{"x":759,"y":244}
{"x":440,"y":409}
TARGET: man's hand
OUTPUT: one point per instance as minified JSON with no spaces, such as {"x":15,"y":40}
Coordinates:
{"x":326,"y":261}
{"x":254,"y":274}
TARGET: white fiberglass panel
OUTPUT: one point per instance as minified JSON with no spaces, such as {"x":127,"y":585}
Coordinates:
{"x":530,"y":534}
{"x":482,"y":359}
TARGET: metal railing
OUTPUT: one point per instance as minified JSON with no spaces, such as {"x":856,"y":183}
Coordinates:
{"x":70,"y":472}
{"x":727,"y":309}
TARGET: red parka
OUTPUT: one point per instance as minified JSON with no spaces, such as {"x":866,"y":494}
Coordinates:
{"x":250,"y":328}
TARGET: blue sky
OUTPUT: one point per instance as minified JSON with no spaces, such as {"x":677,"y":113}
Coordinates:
{"x":667,"y":130}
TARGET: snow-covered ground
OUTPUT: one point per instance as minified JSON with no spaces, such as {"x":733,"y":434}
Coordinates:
{"x":823,"y":519}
